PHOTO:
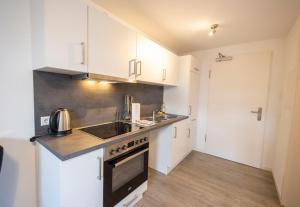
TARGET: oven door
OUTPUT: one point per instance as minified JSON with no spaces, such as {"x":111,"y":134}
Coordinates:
{"x":124,"y":174}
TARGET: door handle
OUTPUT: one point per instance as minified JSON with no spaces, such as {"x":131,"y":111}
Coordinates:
{"x":190,"y":110}
{"x":175,"y":132}
{"x":258,"y":112}
{"x":131,"y":157}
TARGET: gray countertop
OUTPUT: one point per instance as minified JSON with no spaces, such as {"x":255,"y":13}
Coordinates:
{"x":79,"y":142}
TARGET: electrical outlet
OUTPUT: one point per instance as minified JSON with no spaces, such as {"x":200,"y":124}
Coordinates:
{"x":45,"y":120}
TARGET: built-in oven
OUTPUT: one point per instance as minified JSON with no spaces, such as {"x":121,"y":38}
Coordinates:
{"x":125,"y":168}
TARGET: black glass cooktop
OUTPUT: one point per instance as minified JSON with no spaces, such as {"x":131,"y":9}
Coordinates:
{"x":105,"y":131}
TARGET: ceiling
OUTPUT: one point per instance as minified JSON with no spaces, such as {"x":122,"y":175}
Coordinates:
{"x":183,"y":25}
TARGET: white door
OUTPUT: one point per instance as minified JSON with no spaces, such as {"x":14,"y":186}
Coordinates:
{"x":236,"y":88}
{"x":112,"y":46}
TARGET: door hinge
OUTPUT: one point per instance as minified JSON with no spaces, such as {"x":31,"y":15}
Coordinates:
{"x":209,"y":74}
{"x":205,"y":137}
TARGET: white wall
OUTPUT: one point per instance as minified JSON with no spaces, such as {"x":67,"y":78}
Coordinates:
{"x":292,"y":60}
{"x":17,"y":178}
{"x":277,"y":48}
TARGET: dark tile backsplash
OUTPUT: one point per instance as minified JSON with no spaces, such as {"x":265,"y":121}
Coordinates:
{"x":88,"y":101}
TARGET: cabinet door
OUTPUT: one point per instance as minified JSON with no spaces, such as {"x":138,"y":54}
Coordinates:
{"x":179,"y":142}
{"x":150,"y":60}
{"x":81,"y":180}
{"x":59,"y":28}
{"x":171,"y":68}
{"x":194,"y":84}
{"x":176,"y":144}
{"x":192,"y":135}
{"x":111,"y":45}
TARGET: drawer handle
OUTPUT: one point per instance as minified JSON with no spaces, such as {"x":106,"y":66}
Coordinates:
{"x":130,"y":202}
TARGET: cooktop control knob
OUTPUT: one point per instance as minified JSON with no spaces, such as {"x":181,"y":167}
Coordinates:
{"x":112,"y":152}
{"x":145,"y":139}
{"x":118,"y":149}
{"x":141,"y":140}
{"x":137,"y":141}
{"x":124,"y":147}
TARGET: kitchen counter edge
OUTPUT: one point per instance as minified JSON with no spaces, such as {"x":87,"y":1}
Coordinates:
{"x":56,"y":144}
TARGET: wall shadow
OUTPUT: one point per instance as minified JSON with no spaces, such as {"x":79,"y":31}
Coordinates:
{"x":17,"y":177}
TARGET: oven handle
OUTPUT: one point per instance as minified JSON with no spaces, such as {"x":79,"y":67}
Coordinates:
{"x":130,"y":158}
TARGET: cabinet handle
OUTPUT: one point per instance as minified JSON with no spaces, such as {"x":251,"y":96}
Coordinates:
{"x":100,"y":168}
{"x":189,"y":135}
{"x":130,"y":202}
{"x":164,"y":74}
{"x":83,"y":53}
{"x":139,"y":68}
{"x":190,"y":110}
{"x":134,"y":68}
{"x":175,"y":134}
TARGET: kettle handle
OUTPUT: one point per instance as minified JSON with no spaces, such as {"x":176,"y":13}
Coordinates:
{"x":52,"y":125}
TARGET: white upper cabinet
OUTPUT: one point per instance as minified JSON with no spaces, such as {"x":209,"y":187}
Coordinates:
{"x":193,"y":89}
{"x":170,"y":68}
{"x":155,"y":64}
{"x":59,"y":34}
{"x":71,"y":36}
{"x":149,"y":60}
{"x":184,"y":98}
{"x":112,"y":46}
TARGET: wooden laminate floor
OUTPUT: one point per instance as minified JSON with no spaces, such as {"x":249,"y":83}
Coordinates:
{"x":207,"y":181}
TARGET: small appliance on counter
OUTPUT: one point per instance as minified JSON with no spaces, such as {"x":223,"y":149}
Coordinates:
{"x":127,"y":109}
{"x":135,"y":112}
{"x":60,"y":122}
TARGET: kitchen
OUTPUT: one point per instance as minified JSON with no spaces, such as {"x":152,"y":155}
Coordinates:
{"x":103,"y":104}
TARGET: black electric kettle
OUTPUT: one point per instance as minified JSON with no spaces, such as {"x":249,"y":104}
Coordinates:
{"x":60,"y":122}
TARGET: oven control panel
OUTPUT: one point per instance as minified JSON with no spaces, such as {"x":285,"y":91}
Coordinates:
{"x":121,"y":147}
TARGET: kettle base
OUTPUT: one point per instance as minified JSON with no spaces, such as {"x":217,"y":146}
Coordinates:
{"x":60,"y":134}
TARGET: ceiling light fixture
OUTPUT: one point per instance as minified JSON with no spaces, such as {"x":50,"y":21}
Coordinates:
{"x":213,"y":29}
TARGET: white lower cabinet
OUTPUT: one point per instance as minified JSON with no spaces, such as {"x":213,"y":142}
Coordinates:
{"x":168,"y":146}
{"x":77,"y":182}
